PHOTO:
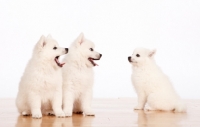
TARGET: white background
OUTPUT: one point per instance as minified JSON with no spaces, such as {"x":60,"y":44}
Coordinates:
{"x":116,"y":27}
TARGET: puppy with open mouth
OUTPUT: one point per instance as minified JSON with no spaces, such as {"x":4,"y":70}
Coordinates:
{"x":78,"y":77}
{"x":40,"y":88}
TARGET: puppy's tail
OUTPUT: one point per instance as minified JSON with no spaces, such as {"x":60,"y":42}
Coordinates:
{"x":180,"y":107}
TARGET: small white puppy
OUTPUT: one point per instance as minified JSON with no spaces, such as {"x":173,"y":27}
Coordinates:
{"x":40,"y":88}
{"x":151,"y":84}
{"x":78,"y":77}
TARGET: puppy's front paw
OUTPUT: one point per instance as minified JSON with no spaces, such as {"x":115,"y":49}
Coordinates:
{"x":60,"y":114}
{"x":89,"y":113}
{"x":138,"y":108}
{"x":37,"y":115}
{"x":25,"y":113}
{"x":68,"y":114}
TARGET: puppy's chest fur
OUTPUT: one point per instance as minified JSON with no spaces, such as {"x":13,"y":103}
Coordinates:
{"x":145,"y":79}
{"x":84,"y":79}
{"x":46,"y":81}
{"x":52,"y":79}
{"x":80,"y":80}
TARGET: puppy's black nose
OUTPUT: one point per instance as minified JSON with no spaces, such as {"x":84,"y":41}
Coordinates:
{"x":66,"y":49}
{"x":100,"y":55}
{"x":129,"y":59}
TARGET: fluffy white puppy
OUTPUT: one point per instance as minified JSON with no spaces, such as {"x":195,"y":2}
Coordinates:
{"x":40,"y":88}
{"x":78,"y":77}
{"x":151,"y":84}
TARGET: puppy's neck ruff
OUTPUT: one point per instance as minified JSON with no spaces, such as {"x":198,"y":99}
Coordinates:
{"x":74,"y":60}
{"x":149,"y":64}
{"x":44,"y":64}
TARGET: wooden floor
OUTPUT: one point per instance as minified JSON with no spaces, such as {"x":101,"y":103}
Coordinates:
{"x":109,"y":113}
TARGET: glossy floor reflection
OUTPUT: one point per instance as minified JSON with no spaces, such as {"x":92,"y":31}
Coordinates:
{"x":51,"y":121}
{"x":109,"y":113}
{"x":160,"y":119}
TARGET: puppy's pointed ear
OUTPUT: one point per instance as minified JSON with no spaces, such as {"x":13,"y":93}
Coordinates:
{"x":41,"y":43}
{"x":152,"y":53}
{"x":49,"y":36}
{"x":80,"y":39}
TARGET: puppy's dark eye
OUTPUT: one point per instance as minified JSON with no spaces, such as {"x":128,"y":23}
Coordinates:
{"x":54,"y":48}
{"x":91,"y":49}
{"x":137,"y":55}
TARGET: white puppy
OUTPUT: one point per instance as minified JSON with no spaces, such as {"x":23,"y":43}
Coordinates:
{"x":78,"y":77}
{"x":151,"y":84}
{"x":40,"y":87}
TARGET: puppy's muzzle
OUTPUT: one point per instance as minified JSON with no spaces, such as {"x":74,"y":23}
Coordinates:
{"x":100,"y":55}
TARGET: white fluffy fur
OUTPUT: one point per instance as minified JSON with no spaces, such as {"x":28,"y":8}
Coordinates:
{"x":40,"y":88}
{"x":78,"y":77}
{"x":152,"y":85}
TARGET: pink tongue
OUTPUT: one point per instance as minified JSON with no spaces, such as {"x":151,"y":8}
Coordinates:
{"x":57,"y":60}
{"x":94,"y":62}
{"x":61,"y":64}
